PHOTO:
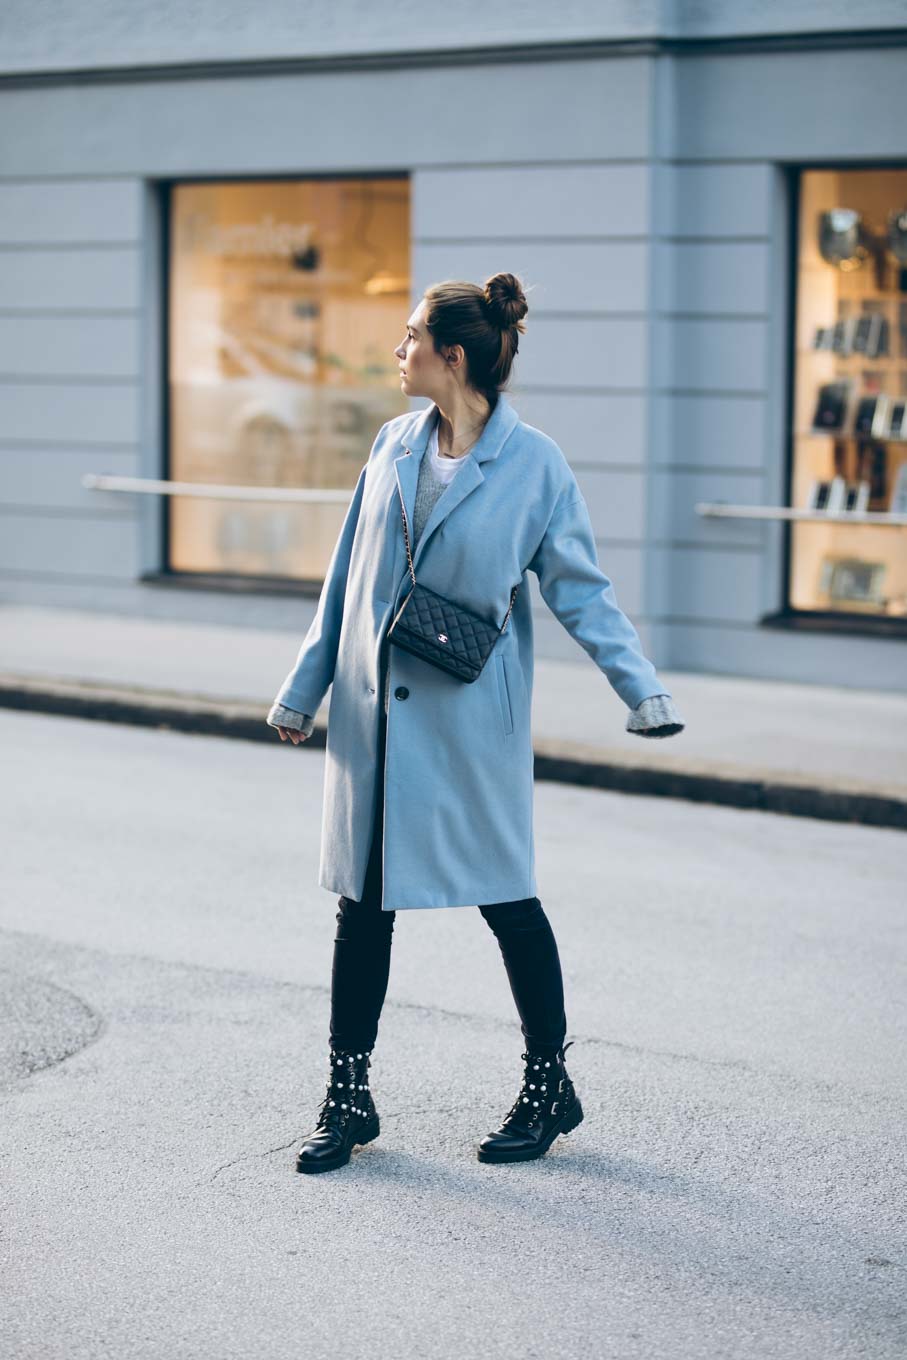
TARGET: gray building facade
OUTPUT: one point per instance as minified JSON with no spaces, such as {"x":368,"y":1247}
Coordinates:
{"x":639,"y":166}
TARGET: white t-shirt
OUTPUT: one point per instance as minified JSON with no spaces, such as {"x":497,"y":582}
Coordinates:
{"x":444,"y":468}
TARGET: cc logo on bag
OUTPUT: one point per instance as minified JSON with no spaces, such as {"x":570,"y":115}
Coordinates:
{"x":442,"y":637}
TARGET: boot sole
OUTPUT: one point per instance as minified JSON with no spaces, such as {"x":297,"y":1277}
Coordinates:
{"x":571,"y":1118}
{"x":368,"y":1134}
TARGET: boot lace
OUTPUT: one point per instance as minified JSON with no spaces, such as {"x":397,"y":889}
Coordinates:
{"x":542,"y":1090}
{"x":348,"y":1080}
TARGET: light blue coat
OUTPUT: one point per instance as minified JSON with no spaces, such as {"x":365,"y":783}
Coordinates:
{"x":458,"y":771}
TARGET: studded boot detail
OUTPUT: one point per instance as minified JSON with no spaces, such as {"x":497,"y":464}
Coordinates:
{"x":346,"y":1117}
{"x":547,"y":1104}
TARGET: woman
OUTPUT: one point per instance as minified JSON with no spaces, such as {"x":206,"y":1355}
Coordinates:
{"x":429,"y":780}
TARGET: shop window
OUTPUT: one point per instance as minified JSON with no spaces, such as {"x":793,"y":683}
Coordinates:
{"x":850,"y":393}
{"x":286,"y":301}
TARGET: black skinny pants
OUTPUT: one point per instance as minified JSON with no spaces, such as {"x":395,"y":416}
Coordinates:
{"x":362,"y":952}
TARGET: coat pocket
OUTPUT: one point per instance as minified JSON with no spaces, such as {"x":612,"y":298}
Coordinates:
{"x":503,"y":693}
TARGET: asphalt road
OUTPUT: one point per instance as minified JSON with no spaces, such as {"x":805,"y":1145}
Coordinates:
{"x":735,"y":988}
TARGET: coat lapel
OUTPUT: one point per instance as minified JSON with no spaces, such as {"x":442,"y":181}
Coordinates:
{"x":415,"y":443}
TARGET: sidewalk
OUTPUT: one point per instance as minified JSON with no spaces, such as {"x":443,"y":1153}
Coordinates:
{"x":804,"y":750}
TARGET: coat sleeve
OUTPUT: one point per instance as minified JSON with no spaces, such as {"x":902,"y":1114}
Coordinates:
{"x":308,"y":681}
{"x":655,"y":717}
{"x":281,"y":716}
{"x":582,"y":598}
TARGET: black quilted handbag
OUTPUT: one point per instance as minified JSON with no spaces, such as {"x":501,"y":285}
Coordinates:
{"x":442,"y":632}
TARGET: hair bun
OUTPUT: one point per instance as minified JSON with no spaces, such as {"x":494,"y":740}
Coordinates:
{"x":505,"y":300}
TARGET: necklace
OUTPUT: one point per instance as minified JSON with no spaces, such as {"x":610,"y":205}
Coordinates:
{"x":443,"y":453}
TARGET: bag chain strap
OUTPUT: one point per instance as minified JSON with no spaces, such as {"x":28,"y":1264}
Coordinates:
{"x":409,"y":558}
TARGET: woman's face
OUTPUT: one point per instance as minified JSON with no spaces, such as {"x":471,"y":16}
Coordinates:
{"x":424,"y":372}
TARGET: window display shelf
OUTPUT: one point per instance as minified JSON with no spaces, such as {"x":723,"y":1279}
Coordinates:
{"x":849,"y":434}
{"x":153,"y":486}
{"x":723,"y":510}
{"x":867,"y":360}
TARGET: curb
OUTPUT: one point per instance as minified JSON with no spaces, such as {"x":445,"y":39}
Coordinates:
{"x":562,"y":762}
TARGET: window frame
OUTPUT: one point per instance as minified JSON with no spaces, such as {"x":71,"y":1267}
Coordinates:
{"x":789,"y":616}
{"x":165,"y":574}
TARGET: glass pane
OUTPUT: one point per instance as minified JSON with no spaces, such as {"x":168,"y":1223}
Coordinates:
{"x":850,"y":385}
{"x":287,"y":300}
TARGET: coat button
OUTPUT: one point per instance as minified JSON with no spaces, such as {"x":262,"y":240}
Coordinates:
{"x":401,"y":692}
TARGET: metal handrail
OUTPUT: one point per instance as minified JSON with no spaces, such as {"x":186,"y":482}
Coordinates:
{"x":99,"y":481}
{"x":721,"y":509}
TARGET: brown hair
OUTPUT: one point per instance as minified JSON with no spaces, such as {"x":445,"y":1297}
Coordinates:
{"x":486,"y":321}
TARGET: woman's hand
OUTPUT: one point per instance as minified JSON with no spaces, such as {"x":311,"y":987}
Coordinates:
{"x":293,"y":733}
{"x":291,"y":723}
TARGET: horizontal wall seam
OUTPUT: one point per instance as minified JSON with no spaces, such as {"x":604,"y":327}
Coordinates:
{"x":552,"y":238}
{"x":593,"y":314}
{"x":590,"y":49}
{"x":686,"y":545}
{"x":595,"y":465}
{"x":72,"y":379}
{"x":23,"y":510}
{"x":549,"y":314}
{"x":45,"y":247}
{"x":750,"y":393}
{"x":700,"y":238}
{"x":560,"y":390}
{"x":691,"y":545}
{"x":544,"y":163}
{"x":714,"y":315}
{"x":123,"y":581}
{"x":296,"y":171}
{"x":95,"y":380}
{"x":41,"y":312}
{"x":699,"y":620}
{"x":392,"y":60}
{"x":711,"y":469}
{"x":68,"y":445}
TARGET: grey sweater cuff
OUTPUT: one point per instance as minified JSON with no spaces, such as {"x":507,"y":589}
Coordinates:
{"x":288,"y":717}
{"x":655,"y":717}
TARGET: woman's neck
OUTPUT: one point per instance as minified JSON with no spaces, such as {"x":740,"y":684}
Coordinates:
{"x":460,"y":426}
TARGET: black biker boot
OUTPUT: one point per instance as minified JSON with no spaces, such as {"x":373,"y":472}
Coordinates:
{"x":346,"y":1116}
{"x":546,"y":1106}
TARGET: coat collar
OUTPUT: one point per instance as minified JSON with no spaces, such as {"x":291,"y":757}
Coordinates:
{"x":489,"y":443}
{"x":499,"y":427}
